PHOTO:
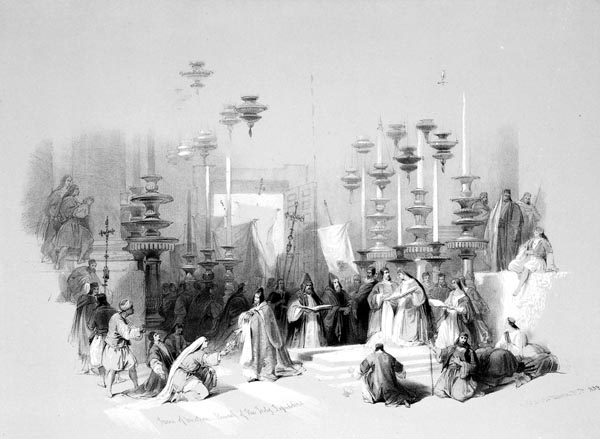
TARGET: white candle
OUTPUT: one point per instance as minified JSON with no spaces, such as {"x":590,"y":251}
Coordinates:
{"x":380,"y":143}
{"x":151,"y":158}
{"x":207,"y":237}
{"x":363,"y":208}
{"x":228,"y":189}
{"x":466,"y":165}
{"x":420,"y":163}
{"x":399,"y":202}
{"x":436,"y":236}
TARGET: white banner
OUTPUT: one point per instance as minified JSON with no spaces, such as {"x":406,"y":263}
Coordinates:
{"x":337,"y":250}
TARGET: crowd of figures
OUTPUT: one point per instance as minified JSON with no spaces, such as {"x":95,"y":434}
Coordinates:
{"x":64,"y":227}
{"x":199,"y":329}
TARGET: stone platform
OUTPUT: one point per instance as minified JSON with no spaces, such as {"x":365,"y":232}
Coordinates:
{"x":339,"y":366}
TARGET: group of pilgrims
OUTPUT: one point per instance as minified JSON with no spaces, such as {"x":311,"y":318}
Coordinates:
{"x":376,"y":312}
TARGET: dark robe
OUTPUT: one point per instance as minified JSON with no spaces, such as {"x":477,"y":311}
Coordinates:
{"x":167,"y":310}
{"x":50,"y":223}
{"x":158,"y":357}
{"x":80,"y":329}
{"x":176,"y":344}
{"x":202,"y":315}
{"x":336,"y":321}
{"x":264,"y":355}
{"x":380,"y":383}
{"x":496,"y":366}
{"x":77,"y":281}
{"x":277,"y":301}
{"x":457,"y":378}
{"x":74,"y":233}
{"x":236,"y":304}
{"x":504,"y":234}
{"x":362,"y":309}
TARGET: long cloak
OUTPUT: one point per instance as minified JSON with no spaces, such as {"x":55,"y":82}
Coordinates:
{"x":78,"y":282}
{"x":80,"y":329}
{"x":336,"y":322}
{"x":503,"y":234}
{"x":380,"y":383}
{"x":264,"y":355}
{"x":362,"y":309}
{"x":459,"y":365}
{"x":412,"y":320}
{"x":305,"y":329}
{"x":159,"y":358}
{"x":381,"y":318}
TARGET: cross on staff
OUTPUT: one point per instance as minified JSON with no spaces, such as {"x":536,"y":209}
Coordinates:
{"x":290,"y":245}
{"x":106,"y":272}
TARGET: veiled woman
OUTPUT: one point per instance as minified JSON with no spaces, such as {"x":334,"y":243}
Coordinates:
{"x":159,"y":361}
{"x":457,"y":315}
{"x":51,"y":221}
{"x":264,"y":355}
{"x":192,"y":376}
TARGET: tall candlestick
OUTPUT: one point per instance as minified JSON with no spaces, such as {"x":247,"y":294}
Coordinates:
{"x":228,"y":189}
{"x":207,"y":238}
{"x":466,"y":159}
{"x":399,"y":202}
{"x":151,"y":159}
{"x":135,"y":163}
{"x":189,"y":222}
{"x":363,"y":208}
{"x":380,"y":142}
{"x":420,"y":162}
{"x":436,"y":225}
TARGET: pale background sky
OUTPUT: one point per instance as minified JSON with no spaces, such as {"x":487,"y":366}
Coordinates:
{"x":531,"y":68}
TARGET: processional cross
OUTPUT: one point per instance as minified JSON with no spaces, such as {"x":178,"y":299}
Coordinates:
{"x":290,"y":245}
{"x":106,"y":272}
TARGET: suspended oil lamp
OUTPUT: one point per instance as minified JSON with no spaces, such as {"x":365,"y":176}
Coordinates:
{"x":363,"y":145}
{"x":185,"y":151}
{"x":229,"y":117}
{"x":248,"y":110}
{"x":443,"y":146}
{"x":205,"y":142}
{"x":407,"y":159}
{"x":351,"y":181}
{"x":396,"y":132}
{"x":426,"y":126}
{"x":197,"y":73}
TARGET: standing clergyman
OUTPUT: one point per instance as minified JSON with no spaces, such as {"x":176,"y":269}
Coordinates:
{"x":531,"y":216}
{"x":504,"y":232}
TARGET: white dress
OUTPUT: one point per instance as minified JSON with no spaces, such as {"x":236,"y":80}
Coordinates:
{"x":451,"y":327}
{"x":410,"y":323}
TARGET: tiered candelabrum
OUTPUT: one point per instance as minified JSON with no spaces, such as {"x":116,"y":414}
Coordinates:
{"x":381,"y":175}
{"x":467,"y":243}
{"x":363,"y":146}
{"x":148,"y":242}
{"x":408,"y":163}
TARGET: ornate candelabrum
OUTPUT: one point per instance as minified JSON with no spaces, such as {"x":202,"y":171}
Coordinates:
{"x":420,"y":210}
{"x":151,"y":244}
{"x":467,"y":243}
{"x":407,"y":162}
{"x":442,"y":145}
{"x":363,"y":146}
{"x":381,"y":176}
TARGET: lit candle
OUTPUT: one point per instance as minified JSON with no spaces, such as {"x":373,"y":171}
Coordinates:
{"x":380,"y":142}
{"x":466,"y":165}
{"x":399,"y":202}
{"x":420,"y":162}
{"x":436,"y":236}
{"x":228,"y":189}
